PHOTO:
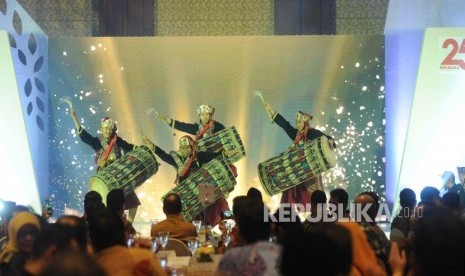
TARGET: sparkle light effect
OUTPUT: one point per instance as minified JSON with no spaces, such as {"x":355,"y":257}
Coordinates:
{"x":175,"y":75}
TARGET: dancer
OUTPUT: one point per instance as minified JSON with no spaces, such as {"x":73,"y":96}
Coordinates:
{"x":204,"y":128}
{"x":186,"y":161}
{"x":304,"y":133}
{"x":108,"y":147}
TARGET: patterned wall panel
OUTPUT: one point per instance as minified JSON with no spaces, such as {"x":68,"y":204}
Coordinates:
{"x":64,"y":17}
{"x":29,"y":49}
{"x":361,"y":17}
{"x":214,"y":17}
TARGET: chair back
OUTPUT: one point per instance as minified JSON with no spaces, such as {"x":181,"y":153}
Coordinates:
{"x":3,"y":242}
{"x":179,"y":247}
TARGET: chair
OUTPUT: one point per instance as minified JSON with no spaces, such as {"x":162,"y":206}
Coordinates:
{"x":179,"y":247}
{"x":3,"y":242}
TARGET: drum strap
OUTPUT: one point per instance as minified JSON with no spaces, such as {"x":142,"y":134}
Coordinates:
{"x":107,"y":152}
{"x":301,"y":136}
{"x":205,"y":128}
{"x":183,"y":168}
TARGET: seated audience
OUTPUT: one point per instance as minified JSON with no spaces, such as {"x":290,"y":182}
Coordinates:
{"x":106,"y":231}
{"x":327,"y":251}
{"x":174,"y":222}
{"x":400,"y":226}
{"x":340,"y":199}
{"x":439,"y":244}
{"x":258,"y":256}
{"x":364,"y":261}
{"x":375,"y":235}
{"x":430,"y":196}
{"x":255,"y":193}
{"x":317,"y":210}
{"x":73,"y":263}
{"x":115,"y":204}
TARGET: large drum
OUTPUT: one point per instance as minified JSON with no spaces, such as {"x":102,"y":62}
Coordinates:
{"x":226,"y":139}
{"x":127,"y":172}
{"x":296,"y":166}
{"x":216,"y":173}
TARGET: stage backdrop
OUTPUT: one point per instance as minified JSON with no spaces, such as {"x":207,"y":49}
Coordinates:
{"x":338,"y":79}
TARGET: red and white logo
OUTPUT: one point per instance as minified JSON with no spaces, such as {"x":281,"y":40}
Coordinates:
{"x":452,"y":53}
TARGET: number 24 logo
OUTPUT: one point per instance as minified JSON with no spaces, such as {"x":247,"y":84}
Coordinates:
{"x":451,"y":59}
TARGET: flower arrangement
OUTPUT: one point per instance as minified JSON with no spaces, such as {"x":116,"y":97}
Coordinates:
{"x":204,"y":254}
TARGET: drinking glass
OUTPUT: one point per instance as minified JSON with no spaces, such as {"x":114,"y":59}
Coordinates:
{"x":198,"y":225}
{"x":229,"y":226}
{"x":131,"y":240}
{"x":163,"y":260}
{"x":154,"y":244}
{"x":163,"y":238}
{"x":226,"y":240}
{"x":193,"y":244}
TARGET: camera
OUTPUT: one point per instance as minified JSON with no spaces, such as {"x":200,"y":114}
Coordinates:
{"x":226,"y":214}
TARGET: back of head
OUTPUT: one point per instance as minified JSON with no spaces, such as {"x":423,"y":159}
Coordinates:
{"x":73,"y":264}
{"x":238,"y":203}
{"x":172,"y":204}
{"x":375,"y":198}
{"x":254,"y":193}
{"x":92,"y":208}
{"x":251,"y":221}
{"x":318,"y":197}
{"x":115,"y":200}
{"x":341,"y":195}
{"x":327,"y":251}
{"x":428,"y":194}
{"x":439,"y":243}
{"x":92,"y":196}
{"x":51,"y":235}
{"x":106,"y":229}
{"x":75,"y":228}
{"x":407,"y":198}
{"x":451,"y":200}
{"x":362,"y":200}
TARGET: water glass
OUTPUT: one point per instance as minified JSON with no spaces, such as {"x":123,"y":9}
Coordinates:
{"x":227,"y":239}
{"x":131,"y":240}
{"x":198,"y":225}
{"x":163,"y":260}
{"x":193,"y":244}
{"x":154,"y":244}
{"x":163,"y":238}
{"x":273,"y":239}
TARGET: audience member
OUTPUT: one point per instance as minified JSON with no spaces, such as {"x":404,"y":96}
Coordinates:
{"x":400,"y":226}
{"x":115,"y":204}
{"x":73,"y":263}
{"x":51,"y":242}
{"x":258,"y":256}
{"x":364,"y":261}
{"x":106,"y":232}
{"x":174,"y":222}
{"x":317,"y":210}
{"x":22,"y":232}
{"x":340,"y":198}
{"x":75,"y":228}
{"x":439,"y":244}
{"x":327,"y":251}
{"x":375,"y":235}
{"x":255,"y":193}
{"x":289,"y":226}
{"x":430,"y":196}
